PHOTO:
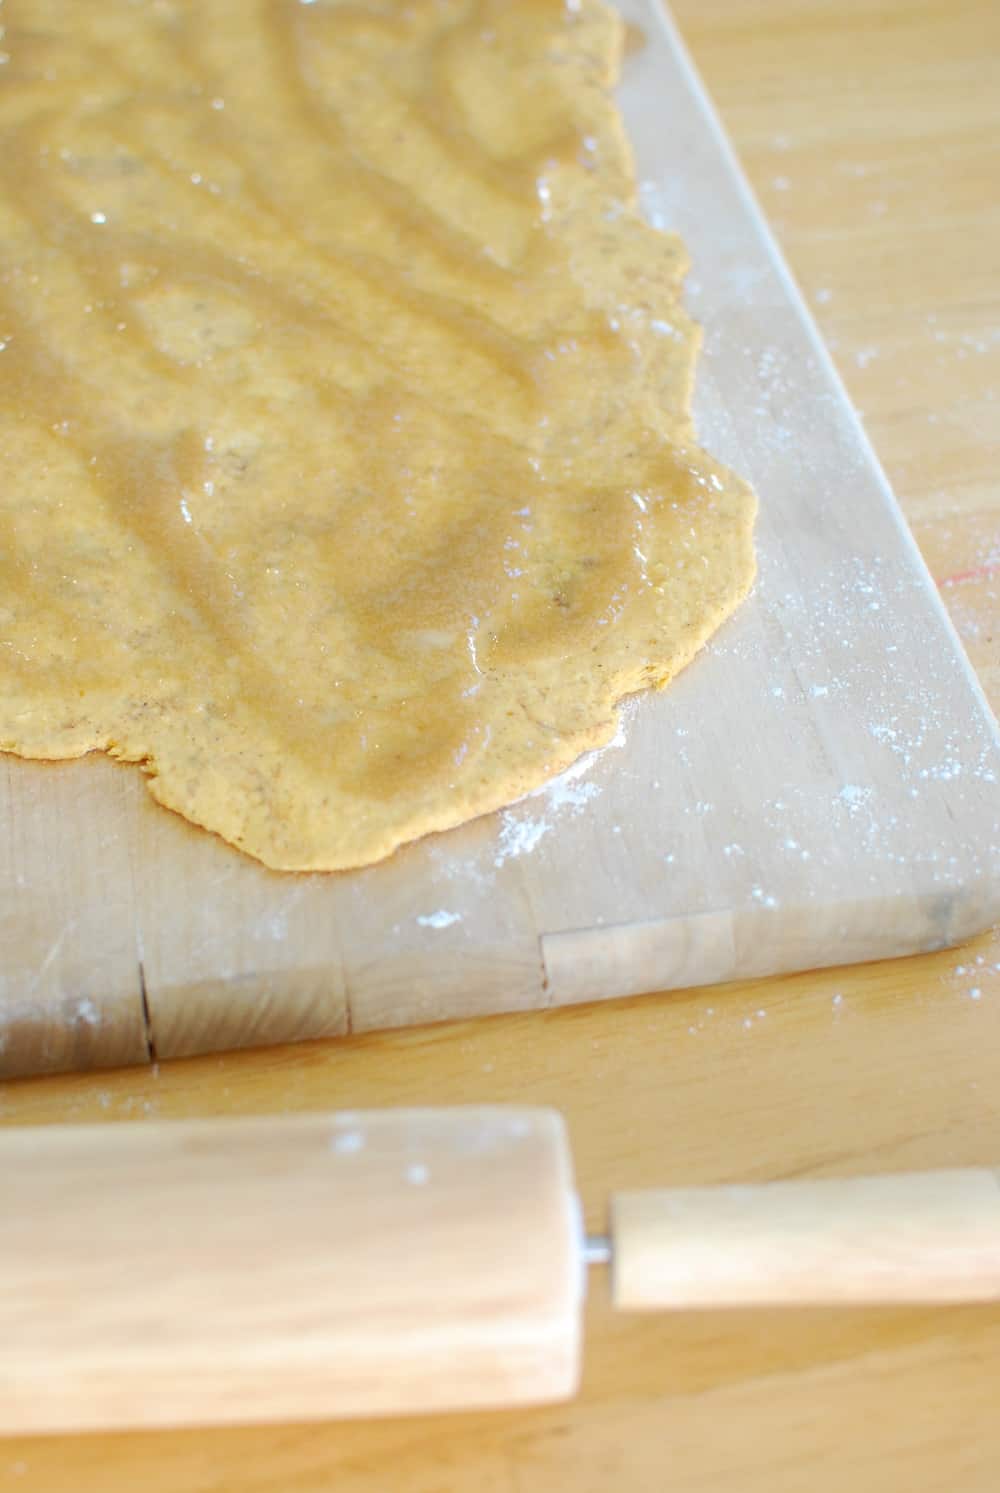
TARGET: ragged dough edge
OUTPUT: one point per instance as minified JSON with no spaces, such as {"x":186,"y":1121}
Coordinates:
{"x":464,"y":808}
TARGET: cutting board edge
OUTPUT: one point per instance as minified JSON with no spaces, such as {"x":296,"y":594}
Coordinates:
{"x":660,"y":957}
{"x":616,"y":961}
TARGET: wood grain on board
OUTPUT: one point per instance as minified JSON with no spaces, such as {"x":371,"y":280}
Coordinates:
{"x":823,"y":784}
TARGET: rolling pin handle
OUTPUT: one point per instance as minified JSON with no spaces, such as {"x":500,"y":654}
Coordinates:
{"x":921,"y":1237}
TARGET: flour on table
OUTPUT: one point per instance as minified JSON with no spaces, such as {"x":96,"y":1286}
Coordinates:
{"x":347,"y":1142}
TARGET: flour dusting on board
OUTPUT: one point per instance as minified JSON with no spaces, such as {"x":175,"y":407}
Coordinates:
{"x":521,"y":830}
{"x":440,"y":919}
{"x":518,"y":836}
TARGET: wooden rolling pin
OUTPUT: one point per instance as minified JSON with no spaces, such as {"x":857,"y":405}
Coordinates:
{"x":400,"y":1261}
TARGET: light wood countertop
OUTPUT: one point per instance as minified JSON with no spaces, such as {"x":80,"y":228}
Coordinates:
{"x":869,"y":131}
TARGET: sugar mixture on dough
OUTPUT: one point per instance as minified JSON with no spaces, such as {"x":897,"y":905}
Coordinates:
{"x":348,"y":478}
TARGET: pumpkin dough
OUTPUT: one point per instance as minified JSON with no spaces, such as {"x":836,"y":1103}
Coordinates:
{"x":349,"y":480}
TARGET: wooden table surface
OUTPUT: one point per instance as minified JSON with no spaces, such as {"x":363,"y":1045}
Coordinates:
{"x":870,"y":131}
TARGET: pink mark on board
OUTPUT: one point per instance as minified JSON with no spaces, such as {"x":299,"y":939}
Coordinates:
{"x":977,"y":573}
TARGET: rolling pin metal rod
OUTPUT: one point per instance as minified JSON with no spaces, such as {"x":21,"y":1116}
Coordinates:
{"x":400,"y":1261}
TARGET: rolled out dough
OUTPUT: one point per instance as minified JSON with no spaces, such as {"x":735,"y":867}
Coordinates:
{"x":349,"y":480}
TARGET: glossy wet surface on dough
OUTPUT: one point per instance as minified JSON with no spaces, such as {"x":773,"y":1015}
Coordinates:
{"x":347,"y":474}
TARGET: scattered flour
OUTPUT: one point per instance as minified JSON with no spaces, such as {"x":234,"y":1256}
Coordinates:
{"x":439,"y":919}
{"x":347,"y":1142}
{"x":520,"y":834}
{"x":562,"y":793}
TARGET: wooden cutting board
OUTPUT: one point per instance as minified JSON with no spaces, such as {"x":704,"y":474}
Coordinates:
{"x":822,"y":785}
